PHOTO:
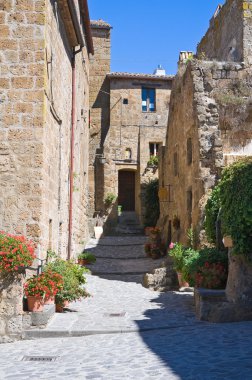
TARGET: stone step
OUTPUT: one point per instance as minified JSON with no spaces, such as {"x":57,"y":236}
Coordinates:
{"x":128,"y":277}
{"x":142,"y":265}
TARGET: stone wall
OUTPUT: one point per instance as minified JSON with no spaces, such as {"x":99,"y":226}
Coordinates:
{"x":57,"y":140}
{"x":99,"y":110}
{"x":36,"y":123}
{"x":11,"y":307}
{"x":228,"y":37}
{"x":130,"y":128}
{"x":209,"y":115}
{"x":21,"y":115}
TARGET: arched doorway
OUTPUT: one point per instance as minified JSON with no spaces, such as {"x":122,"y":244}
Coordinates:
{"x":126,"y":190}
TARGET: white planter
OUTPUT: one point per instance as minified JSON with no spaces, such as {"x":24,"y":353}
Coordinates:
{"x":98,"y":232}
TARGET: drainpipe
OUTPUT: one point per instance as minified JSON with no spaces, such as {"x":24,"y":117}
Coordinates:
{"x":71,"y":171}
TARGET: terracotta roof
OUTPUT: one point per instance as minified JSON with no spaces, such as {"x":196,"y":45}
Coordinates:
{"x":100,"y":24}
{"x":140,"y":76}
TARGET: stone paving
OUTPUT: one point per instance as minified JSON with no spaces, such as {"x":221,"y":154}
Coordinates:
{"x":125,"y":331}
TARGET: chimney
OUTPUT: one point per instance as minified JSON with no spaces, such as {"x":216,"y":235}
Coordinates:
{"x":159,"y":71}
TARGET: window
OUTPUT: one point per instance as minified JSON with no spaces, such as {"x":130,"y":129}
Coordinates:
{"x":148,"y":100}
{"x":154,"y":149}
{"x":128,"y":154}
{"x":189,"y":151}
{"x":125,"y":101}
{"x":175,"y":164}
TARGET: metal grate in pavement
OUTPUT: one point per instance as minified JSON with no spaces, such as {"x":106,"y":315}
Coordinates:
{"x":39,"y":358}
{"x":114,"y":314}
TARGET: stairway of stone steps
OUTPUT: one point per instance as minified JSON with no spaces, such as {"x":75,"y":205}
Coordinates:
{"x":121,"y":258}
{"x":128,"y":224}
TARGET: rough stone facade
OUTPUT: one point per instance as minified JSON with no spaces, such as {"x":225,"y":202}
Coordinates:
{"x":11,"y":307}
{"x":99,"y":110}
{"x":132,"y":130}
{"x":228,"y":37}
{"x":36,"y":40}
{"x":209,"y":127}
{"x":116,"y":127}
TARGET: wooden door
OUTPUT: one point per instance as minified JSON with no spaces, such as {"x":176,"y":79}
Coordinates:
{"x":126,"y":190}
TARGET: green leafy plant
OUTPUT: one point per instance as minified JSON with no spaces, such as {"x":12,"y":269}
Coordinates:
{"x":212,"y":210}
{"x":236,"y":206}
{"x":153,"y":161}
{"x":177,"y":252}
{"x":110,"y":199}
{"x":73,"y":279}
{"x":194,"y":261}
{"x":15,"y":252}
{"x":151,"y":201}
{"x":87,"y":256}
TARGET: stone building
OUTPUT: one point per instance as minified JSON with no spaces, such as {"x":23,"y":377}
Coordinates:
{"x":129,"y":114}
{"x":44,"y":55}
{"x":210,"y":119}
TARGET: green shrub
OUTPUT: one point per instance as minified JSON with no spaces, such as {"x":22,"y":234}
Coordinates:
{"x":73,"y":278}
{"x":153,"y":161}
{"x":87,"y":256}
{"x":110,"y":199}
{"x":212,"y":211}
{"x":177,"y":253}
{"x":236,"y":206}
{"x":151,"y":201}
{"x":194,"y":261}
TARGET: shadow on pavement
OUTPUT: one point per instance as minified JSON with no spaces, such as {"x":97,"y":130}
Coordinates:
{"x":195,"y":350}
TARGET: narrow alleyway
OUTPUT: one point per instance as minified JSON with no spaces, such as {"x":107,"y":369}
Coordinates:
{"x":125,"y":331}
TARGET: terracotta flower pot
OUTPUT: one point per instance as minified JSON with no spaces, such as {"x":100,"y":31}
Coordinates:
{"x":35,"y":304}
{"x":83,"y":262}
{"x":49,"y":300}
{"x":181,"y":281}
{"x":60,"y":308}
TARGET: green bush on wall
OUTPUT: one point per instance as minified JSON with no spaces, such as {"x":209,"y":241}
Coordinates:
{"x":151,"y":203}
{"x":233,"y":197}
{"x":236,"y":205}
{"x":212,"y":211}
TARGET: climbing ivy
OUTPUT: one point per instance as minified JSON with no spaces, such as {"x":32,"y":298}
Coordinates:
{"x":212,"y":211}
{"x":151,"y":201}
{"x":233,"y":197}
{"x":236,"y":205}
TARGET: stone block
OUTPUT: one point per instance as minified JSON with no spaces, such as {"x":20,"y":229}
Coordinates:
{"x":42,"y":318}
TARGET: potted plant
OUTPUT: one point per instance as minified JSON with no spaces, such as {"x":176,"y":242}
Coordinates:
{"x":153,"y":161}
{"x":86,"y":258}
{"x":154,"y":232}
{"x":15,"y":252}
{"x":207,"y":268}
{"x":54,"y":283}
{"x":176,"y":251}
{"x":73,"y":279}
{"x":35,"y":291}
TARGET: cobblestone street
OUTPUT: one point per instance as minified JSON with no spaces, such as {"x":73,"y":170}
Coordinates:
{"x":125,"y":331}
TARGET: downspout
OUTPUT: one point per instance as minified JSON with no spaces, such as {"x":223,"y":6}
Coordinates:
{"x":71,"y":171}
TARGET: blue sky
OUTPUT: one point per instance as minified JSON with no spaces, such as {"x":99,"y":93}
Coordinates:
{"x":148,"y":33}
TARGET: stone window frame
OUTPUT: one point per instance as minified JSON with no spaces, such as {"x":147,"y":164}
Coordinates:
{"x":156,"y":147}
